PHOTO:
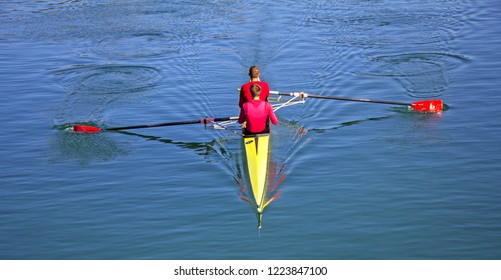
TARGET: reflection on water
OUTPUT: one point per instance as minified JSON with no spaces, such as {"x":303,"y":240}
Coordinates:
{"x":210,"y":151}
{"x":84,"y":148}
{"x":275,"y":176}
{"x":228,"y":150}
{"x":139,"y":61}
{"x":347,"y":124}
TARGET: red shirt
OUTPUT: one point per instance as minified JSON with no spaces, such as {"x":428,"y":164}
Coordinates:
{"x":246,"y":96}
{"x":256,"y":113}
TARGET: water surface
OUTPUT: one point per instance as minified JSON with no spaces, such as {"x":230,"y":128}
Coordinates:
{"x":360,"y":181}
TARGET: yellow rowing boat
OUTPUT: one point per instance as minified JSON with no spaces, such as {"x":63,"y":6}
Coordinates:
{"x":257,"y":147}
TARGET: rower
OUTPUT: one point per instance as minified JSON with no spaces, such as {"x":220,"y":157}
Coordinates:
{"x":255,"y":115}
{"x":245,"y":94}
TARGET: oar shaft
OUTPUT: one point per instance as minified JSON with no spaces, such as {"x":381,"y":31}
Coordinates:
{"x":307,"y":95}
{"x":203,"y":121}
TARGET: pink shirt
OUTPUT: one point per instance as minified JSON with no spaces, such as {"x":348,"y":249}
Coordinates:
{"x":256,"y":113}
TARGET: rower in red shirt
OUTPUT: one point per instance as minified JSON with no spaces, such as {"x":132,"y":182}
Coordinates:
{"x":245,"y":94}
{"x":256,"y":113}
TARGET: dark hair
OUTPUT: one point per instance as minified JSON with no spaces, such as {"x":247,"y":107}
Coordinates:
{"x":255,"y":90}
{"x":254,"y":71}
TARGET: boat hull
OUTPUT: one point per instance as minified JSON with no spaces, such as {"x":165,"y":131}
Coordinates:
{"x":257,"y":147}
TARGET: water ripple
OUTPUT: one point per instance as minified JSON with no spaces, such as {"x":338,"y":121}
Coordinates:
{"x":93,"y":89}
{"x":422,"y":74}
{"x":110,"y":79}
{"x":139,"y":45}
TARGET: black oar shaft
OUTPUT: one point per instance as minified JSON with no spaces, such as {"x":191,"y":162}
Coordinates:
{"x":203,"y":121}
{"x":307,"y":95}
{"x":358,"y":99}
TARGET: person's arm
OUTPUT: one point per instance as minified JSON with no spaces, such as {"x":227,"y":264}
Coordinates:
{"x":242,"y":117}
{"x":244,"y":95}
{"x":271,"y":114}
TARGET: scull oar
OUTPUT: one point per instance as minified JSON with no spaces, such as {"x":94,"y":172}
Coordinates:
{"x":421,"y":106}
{"x":94,"y":129}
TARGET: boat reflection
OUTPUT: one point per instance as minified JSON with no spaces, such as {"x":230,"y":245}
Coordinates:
{"x":284,"y":142}
{"x":229,"y":149}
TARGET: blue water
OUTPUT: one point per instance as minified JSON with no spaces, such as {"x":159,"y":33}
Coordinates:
{"x":361,"y":180}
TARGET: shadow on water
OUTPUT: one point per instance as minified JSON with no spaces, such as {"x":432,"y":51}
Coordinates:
{"x":347,"y":124}
{"x":208,"y":150}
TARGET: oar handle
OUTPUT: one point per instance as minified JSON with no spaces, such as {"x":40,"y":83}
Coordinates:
{"x":307,"y":95}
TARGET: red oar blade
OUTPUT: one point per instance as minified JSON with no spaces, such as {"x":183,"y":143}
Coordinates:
{"x":428,"y":106}
{"x":86,"y":129}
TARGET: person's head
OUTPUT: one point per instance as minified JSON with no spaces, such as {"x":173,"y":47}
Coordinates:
{"x":254,"y":72}
{"x":255,"y":90}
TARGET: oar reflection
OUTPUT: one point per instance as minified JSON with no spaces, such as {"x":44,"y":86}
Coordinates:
{"x":286,"y":141}
{"x":229,"y":150}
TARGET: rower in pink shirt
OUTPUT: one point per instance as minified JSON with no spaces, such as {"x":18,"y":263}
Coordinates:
{"x":256,"y":113}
